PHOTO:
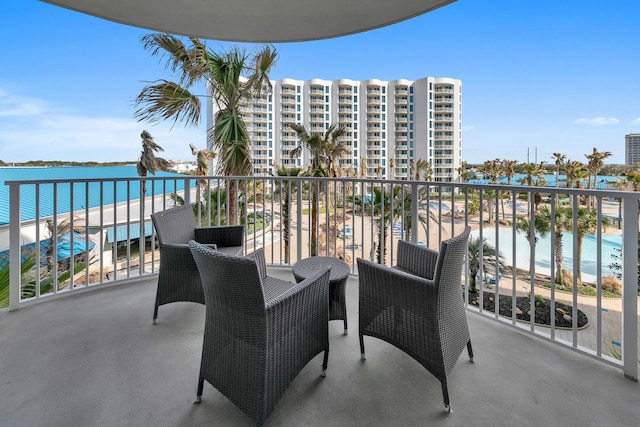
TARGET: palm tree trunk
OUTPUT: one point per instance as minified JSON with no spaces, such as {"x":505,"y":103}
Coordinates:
{"x":579,"y":256}
{"x":558,"y":257}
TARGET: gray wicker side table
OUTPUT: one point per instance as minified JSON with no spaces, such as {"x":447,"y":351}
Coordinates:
{"x":337,"y":282}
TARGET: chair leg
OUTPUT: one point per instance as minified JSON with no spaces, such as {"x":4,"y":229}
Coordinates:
{"x":325,"y":363}
{"x":362,"y":356}
{"x":199,"y":392}
{"x":470,"y":350}
{"x":445,"y":395}
{"x":345,"y":325}
{"x":155,"y":315}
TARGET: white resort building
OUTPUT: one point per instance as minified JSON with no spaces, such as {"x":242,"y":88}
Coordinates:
{"x":390,"y":125}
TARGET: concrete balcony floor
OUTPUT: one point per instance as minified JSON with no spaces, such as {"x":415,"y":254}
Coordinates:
{"x":95,"y":359}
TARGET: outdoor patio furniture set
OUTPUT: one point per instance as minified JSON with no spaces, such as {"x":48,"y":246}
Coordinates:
{"x":260,"y":331}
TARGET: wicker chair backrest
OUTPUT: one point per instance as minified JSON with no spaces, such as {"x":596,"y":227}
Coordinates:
{"x":450,"y":259}
{"x":174,"y":226}
{"x":232,"y":291}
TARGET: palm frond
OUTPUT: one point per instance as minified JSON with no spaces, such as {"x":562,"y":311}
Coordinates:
{"x":167,"y":101}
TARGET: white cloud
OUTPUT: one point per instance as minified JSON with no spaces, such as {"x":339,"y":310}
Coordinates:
{"x":12,"y":105}
{"x":598,"y":121}
{"x":636,"y":122}
{"x":468,"y":127}
{"x":33,"y":130}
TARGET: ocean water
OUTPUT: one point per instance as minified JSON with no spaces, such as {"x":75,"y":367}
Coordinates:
{"x":84,"y":194}
{"x":544,"y":252}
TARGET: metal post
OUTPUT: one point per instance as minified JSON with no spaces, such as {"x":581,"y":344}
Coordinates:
{"x":630,"y":288}
{"x":414,"y":212}
{"x":14,"y":247}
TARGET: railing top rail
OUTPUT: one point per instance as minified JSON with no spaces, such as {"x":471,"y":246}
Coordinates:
{"x":374,"y":181}
{"x":111,"y":179}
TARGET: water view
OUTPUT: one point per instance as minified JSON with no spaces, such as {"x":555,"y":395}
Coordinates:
{"x":544,"y":251}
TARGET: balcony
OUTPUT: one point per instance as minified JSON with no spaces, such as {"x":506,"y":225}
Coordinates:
{"x":99,"y":360}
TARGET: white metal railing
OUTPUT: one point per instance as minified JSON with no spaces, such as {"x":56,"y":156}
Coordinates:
{"x":108,"y":217}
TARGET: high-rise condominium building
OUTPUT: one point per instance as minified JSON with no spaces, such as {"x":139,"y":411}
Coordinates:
{"x":390,"y":125}
{"x":632,"y":149}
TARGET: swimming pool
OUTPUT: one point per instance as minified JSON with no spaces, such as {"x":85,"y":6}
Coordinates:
{"x":544,"y":252}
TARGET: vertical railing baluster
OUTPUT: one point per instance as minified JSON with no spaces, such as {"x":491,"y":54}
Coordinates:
{"x":630,"y":287}
{"x":15,"y":257}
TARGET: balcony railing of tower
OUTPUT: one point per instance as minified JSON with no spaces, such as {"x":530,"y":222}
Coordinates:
{"x":356,"y":217}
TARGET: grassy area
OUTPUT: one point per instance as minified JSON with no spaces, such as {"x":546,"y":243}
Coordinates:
{"x":305,"y":211}
{"x":584,"y":290}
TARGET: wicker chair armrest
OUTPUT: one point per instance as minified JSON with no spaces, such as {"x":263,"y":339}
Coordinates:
{"x":381,"y":287}
{"x":223,"y":236}
{"x":177,"y":248}
{"x":258,"y":257}
{"x":311,"y":292}
{"x":416,"y":259}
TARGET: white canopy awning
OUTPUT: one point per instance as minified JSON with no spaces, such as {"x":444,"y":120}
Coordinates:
{"x":255,"y":20}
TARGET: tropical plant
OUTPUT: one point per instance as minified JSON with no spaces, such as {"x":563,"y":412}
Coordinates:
{"x":26,"y":265}
{"x":388,"y":206}
{"x":559,"y":161}
{"x":562,"y":222}
{"x":380,"y":208}
{"x":324,"y":149}
{"x":232,"y":77}
{"x":488,"y":260}
{"x":594,"y":165}
{"x":587,"y":223}
{"x":616,"y":263}
{"x":286,"y":188}
{"x":464,"y":172}
{"x":148,"y":163}
{"x":508,"y":167}
{"x":423,"y":170}
{"x":541,"y":226}
{"x":576,"y":171}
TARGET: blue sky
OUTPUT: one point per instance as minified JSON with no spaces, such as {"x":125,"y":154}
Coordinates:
{"x":554,"y":75}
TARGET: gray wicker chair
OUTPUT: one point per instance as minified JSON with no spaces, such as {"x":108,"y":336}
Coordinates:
{"x":178,"y":278}
{"x":259,"y":331}
{"x":417,"y":306}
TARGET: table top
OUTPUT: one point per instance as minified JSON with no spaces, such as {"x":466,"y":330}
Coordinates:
{"x":305,"y":267}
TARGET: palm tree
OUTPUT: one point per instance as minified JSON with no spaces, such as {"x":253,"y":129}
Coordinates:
{"x":423,"y":170}
{"x":463,"y":172}
{"x":232,"y":77}
{"x":325,"y":149}
{"x":148,"y":162}
{"x":541,"y":226}
{"x":508,"y":169}
{"x":562,"y":223}
{"x":491,"y":170}
{"x":576,"y":171}
{"x":489,"y":259}
{"x":387,"y":207}
{"x":380,"y":208}
{"x":287,"y":187}
{"x":202,"y":160}
{"x":560,"y":159}
{"x":594,"y":165}
{"x":202,"y":166}
{"x":587,"y":224}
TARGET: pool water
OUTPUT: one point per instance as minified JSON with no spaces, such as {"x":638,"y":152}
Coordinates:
{"x":544,"y":252}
